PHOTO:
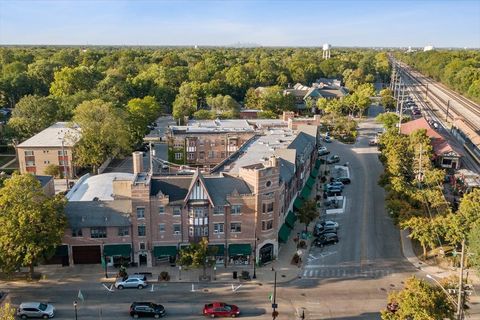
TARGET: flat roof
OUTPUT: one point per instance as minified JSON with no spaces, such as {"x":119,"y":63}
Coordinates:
{"x":262,"y":149}
{"x":99,"y":186}
{"x":52,"y":136}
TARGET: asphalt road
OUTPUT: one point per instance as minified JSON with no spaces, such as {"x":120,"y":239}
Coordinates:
{"x":349,"y":280}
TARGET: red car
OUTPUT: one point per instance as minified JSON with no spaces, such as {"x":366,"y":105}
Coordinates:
{"x":220,"y":309}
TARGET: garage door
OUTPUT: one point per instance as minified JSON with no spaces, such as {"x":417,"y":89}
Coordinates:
{"x":86,"y":254}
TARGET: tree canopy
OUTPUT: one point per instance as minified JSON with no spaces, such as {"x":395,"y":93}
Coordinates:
{"x":32,"y":223}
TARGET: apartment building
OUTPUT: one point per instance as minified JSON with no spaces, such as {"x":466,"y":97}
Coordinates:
{"x":54,"y":145}
{"x":245,"y":209}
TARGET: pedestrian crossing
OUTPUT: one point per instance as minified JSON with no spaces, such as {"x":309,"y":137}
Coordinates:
{"x":321,"y":272}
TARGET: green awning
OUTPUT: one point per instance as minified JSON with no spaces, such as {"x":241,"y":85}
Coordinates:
{"x":239,"y":249}
{"x":290,"y":219}
{"x":314,"y":173}
{"x":311,"y":182}
{"x":111,"y":250}
{"x":318,"y":163}
{"x":284,"y":233}
{"x":61,"y":251}
{"x":220,"y":249}
{"x":305,"y":194}
{"x":298,"y":203}
{"x":162,"y":251}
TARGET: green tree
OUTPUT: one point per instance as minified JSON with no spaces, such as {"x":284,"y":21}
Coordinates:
{"x":307,"y":213}
{"x":53,"y":170}
{"x":474,"y":245}
{"x":198,"y":255}
{"x":424,"y":230}
{"x":32,"y":223}
{"x":204,"y":115}
{"x":386,"y":99}
{"x":71,"y":80}
{"x":420,"y":301}
{"x":104,"y":131}
{"x":223,"y":105}
{"x":141,"y":112}
{"x":32,"y":114}
{"x":388,"y":119}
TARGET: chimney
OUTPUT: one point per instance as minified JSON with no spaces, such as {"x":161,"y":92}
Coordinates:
{"x":137,"y":162}
{"x":273,"y":161}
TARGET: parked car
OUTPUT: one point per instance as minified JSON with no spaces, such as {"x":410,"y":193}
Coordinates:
{"x":334,"y":193}
{"x":35,"y":310}
{"x":133,"y":281}
{"x":343,"y":180}
{"x":220,"y":309}
{"x":146,"y":309}
{"x":335,"y":184}
{"x":328,"y":223}
{"x":326,"y":239}
{"x":322,"y":151}
{"x":334,"y":189}
{"x":327,"y":139}
{"x":333,"y":159}
{"x":318,"y":231}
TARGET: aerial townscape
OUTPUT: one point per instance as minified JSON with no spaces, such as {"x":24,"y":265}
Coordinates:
{"x":277,"y":159}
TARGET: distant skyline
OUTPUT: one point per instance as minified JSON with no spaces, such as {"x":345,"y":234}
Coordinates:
{"x":440,"y":23}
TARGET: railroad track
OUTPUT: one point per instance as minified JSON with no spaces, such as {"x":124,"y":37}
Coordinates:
{"x":442,"y":103}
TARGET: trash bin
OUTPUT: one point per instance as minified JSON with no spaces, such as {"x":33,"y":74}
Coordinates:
{"x":235,"y":275}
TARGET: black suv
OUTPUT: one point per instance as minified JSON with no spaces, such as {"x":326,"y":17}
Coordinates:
{"x":326,"y":239}
{"x":146,"y":309}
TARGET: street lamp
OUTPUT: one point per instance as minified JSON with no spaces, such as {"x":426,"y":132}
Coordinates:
{"x":75,"y":306}
{"x":179,"y":272}
{"x":255,"y":257}
{"x":444,"y":290}
{"x":214,"y":272}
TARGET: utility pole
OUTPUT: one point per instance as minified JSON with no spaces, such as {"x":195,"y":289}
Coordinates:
{"x":151,"y":158}
{"x":460,"y":285}
{"x":426,"y":93}
{"x":274,"y":304}
{"x":448,"y":107}
{"x":420,"y":165}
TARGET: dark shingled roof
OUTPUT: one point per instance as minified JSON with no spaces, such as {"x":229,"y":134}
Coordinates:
{"x":175,"y":187}
{"x":44,"y":180}
{"x":303,"y":143}
{"x":84,"y":214}
{"x":287,"y":170}
{"x":220,"y":187}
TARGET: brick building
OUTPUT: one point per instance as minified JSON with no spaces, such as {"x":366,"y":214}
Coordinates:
{"x":54,"y":145}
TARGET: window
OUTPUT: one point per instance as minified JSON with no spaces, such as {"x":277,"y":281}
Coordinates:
{"x":60,"y":153}
{"x":28,"y":153}
{"x":141,"y":231}
{"x":198,"y":213}
{"x":161,"y":227}
{"x":200,"y":142}
{"x":30,"y":163}
{"x":190,"y":231}
{"x":98,"y":232}
{"x":178,"y":156}
{"x":46,"y":162}
{"x":222,"y":142}
{"x":212,"y":143}
{"x":191,"y":156}
{"x":218,"y":228}
{"x":141,"y":245}
{"x":267,"y":225}
{"x":268,"y":184}
{"x":222,"y":154}
{"x":61,"y":162}
{"x":211,"y":154}
{"x":176,"y":228}
{"x":140,"y":213}
{"x":123,"y":231}
{"x":219,"y":210}
{"x":235,"y":227}
{"x":201,"y":155}
{"x":236,"y":209}
{"x":267,"y":207}
{"x":77,"y":232}
{"x":161,"y":209}
{"x":177,"y":211}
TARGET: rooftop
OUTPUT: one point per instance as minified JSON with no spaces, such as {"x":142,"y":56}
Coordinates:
{"x":99,"y":187}
{"x":52,"y":136}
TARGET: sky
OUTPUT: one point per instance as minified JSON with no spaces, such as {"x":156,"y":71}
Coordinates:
{"x":378,"y":23}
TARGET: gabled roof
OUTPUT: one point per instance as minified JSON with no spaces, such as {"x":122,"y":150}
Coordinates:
{"x":313,"y":92}
{"x":53,"y":135}
{"x":176,"y":187}
{"x":420,"y":123}
{"x":303,"y":143}
{"x":197,"y":176}
{"x":44,"y":180}
{"x":222,"y":186}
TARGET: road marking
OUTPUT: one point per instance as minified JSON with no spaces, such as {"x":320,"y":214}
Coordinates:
{"x":151,"y":290}
{"x":109,"y":289}
{"x":193,"y":288}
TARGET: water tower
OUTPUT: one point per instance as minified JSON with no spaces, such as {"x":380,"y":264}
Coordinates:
{"x":326,"y":51}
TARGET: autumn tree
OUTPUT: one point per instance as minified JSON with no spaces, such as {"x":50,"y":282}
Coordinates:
{"x":7,"y":312}
{"x":32,"y":223}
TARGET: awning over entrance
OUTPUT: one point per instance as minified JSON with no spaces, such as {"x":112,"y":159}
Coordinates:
{"x":318,"y":163}
{"x":220,"y":249}
{"x":284,"y":233}
{"x":298,"y":203}
{"x":311,"y":182}
{"x":305,"y":194}
{"x":162,"y":251}
{"x":239,"y":249}
{"x":290,"y":219}
{"x":314,"y":173}
{"x":111,"y":250}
